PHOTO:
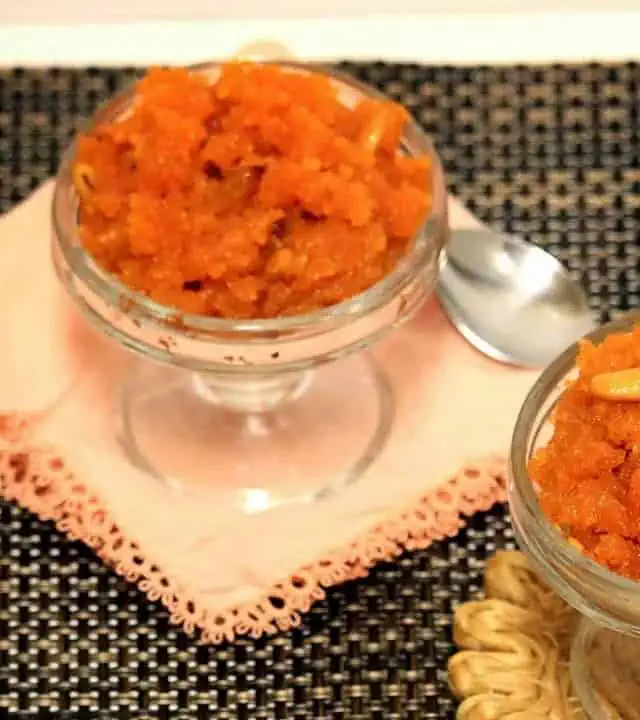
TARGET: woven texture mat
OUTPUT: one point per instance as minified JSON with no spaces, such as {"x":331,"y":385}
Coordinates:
{"x":552,"y":153}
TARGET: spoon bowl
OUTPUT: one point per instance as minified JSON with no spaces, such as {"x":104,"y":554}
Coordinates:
{"x":510,"y":299}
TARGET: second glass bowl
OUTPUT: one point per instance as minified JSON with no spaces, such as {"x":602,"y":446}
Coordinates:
{"x":260,"y":406}
{"x":608,"y":642}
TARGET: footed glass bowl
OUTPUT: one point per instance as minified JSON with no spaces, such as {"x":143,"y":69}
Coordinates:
{"x":284,"y":410}
{"x":605,"y":658}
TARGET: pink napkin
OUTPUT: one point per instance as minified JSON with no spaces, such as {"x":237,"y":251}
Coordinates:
{"x":59,"y":457}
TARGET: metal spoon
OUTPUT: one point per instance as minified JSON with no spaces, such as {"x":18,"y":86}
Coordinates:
{"x":511,"y":300}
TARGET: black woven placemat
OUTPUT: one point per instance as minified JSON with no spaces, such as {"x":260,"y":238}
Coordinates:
{"x":552,"y":153}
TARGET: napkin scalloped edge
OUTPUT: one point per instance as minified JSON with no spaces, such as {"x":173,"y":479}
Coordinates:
{"x":39,"y":480}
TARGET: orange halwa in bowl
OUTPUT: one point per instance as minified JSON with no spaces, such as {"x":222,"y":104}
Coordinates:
{"x":249,"y":217}
{"x":573,"y":497}
{"x":248,"y":230}
{"x":254,"y":193}
{"x":575,"y":476}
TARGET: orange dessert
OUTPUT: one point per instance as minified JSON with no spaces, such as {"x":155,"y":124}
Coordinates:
{"x":589,"y":473}
{"x":254,"y":196}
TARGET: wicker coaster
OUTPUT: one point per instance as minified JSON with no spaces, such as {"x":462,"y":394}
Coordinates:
{"x":515,"y":644}
{"x":513,"y":661}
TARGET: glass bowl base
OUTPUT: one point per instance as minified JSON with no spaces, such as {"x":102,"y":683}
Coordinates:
{"x":265,"y":441}
{"x":605,"y":672}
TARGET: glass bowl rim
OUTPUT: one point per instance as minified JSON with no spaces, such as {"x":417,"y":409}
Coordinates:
{"x":520,"y":483}
{"x":137,"y":304}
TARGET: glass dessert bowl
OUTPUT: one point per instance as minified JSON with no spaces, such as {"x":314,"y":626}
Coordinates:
{"x":284,"y":409}
{"x":605,"y":656}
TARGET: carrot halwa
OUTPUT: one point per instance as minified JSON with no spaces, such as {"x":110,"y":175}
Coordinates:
{"x":589,"y":472}
{"x":257,"y":195}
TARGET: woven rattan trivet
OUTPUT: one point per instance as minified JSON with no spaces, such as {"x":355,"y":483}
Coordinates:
{"x":513,"y":661}
{"x":515,"y":643}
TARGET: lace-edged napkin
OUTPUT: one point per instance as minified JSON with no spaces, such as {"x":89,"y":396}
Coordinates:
{"x":60,"y":457}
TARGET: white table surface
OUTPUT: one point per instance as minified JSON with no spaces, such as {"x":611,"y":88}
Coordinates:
{"x":75,"y":32}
